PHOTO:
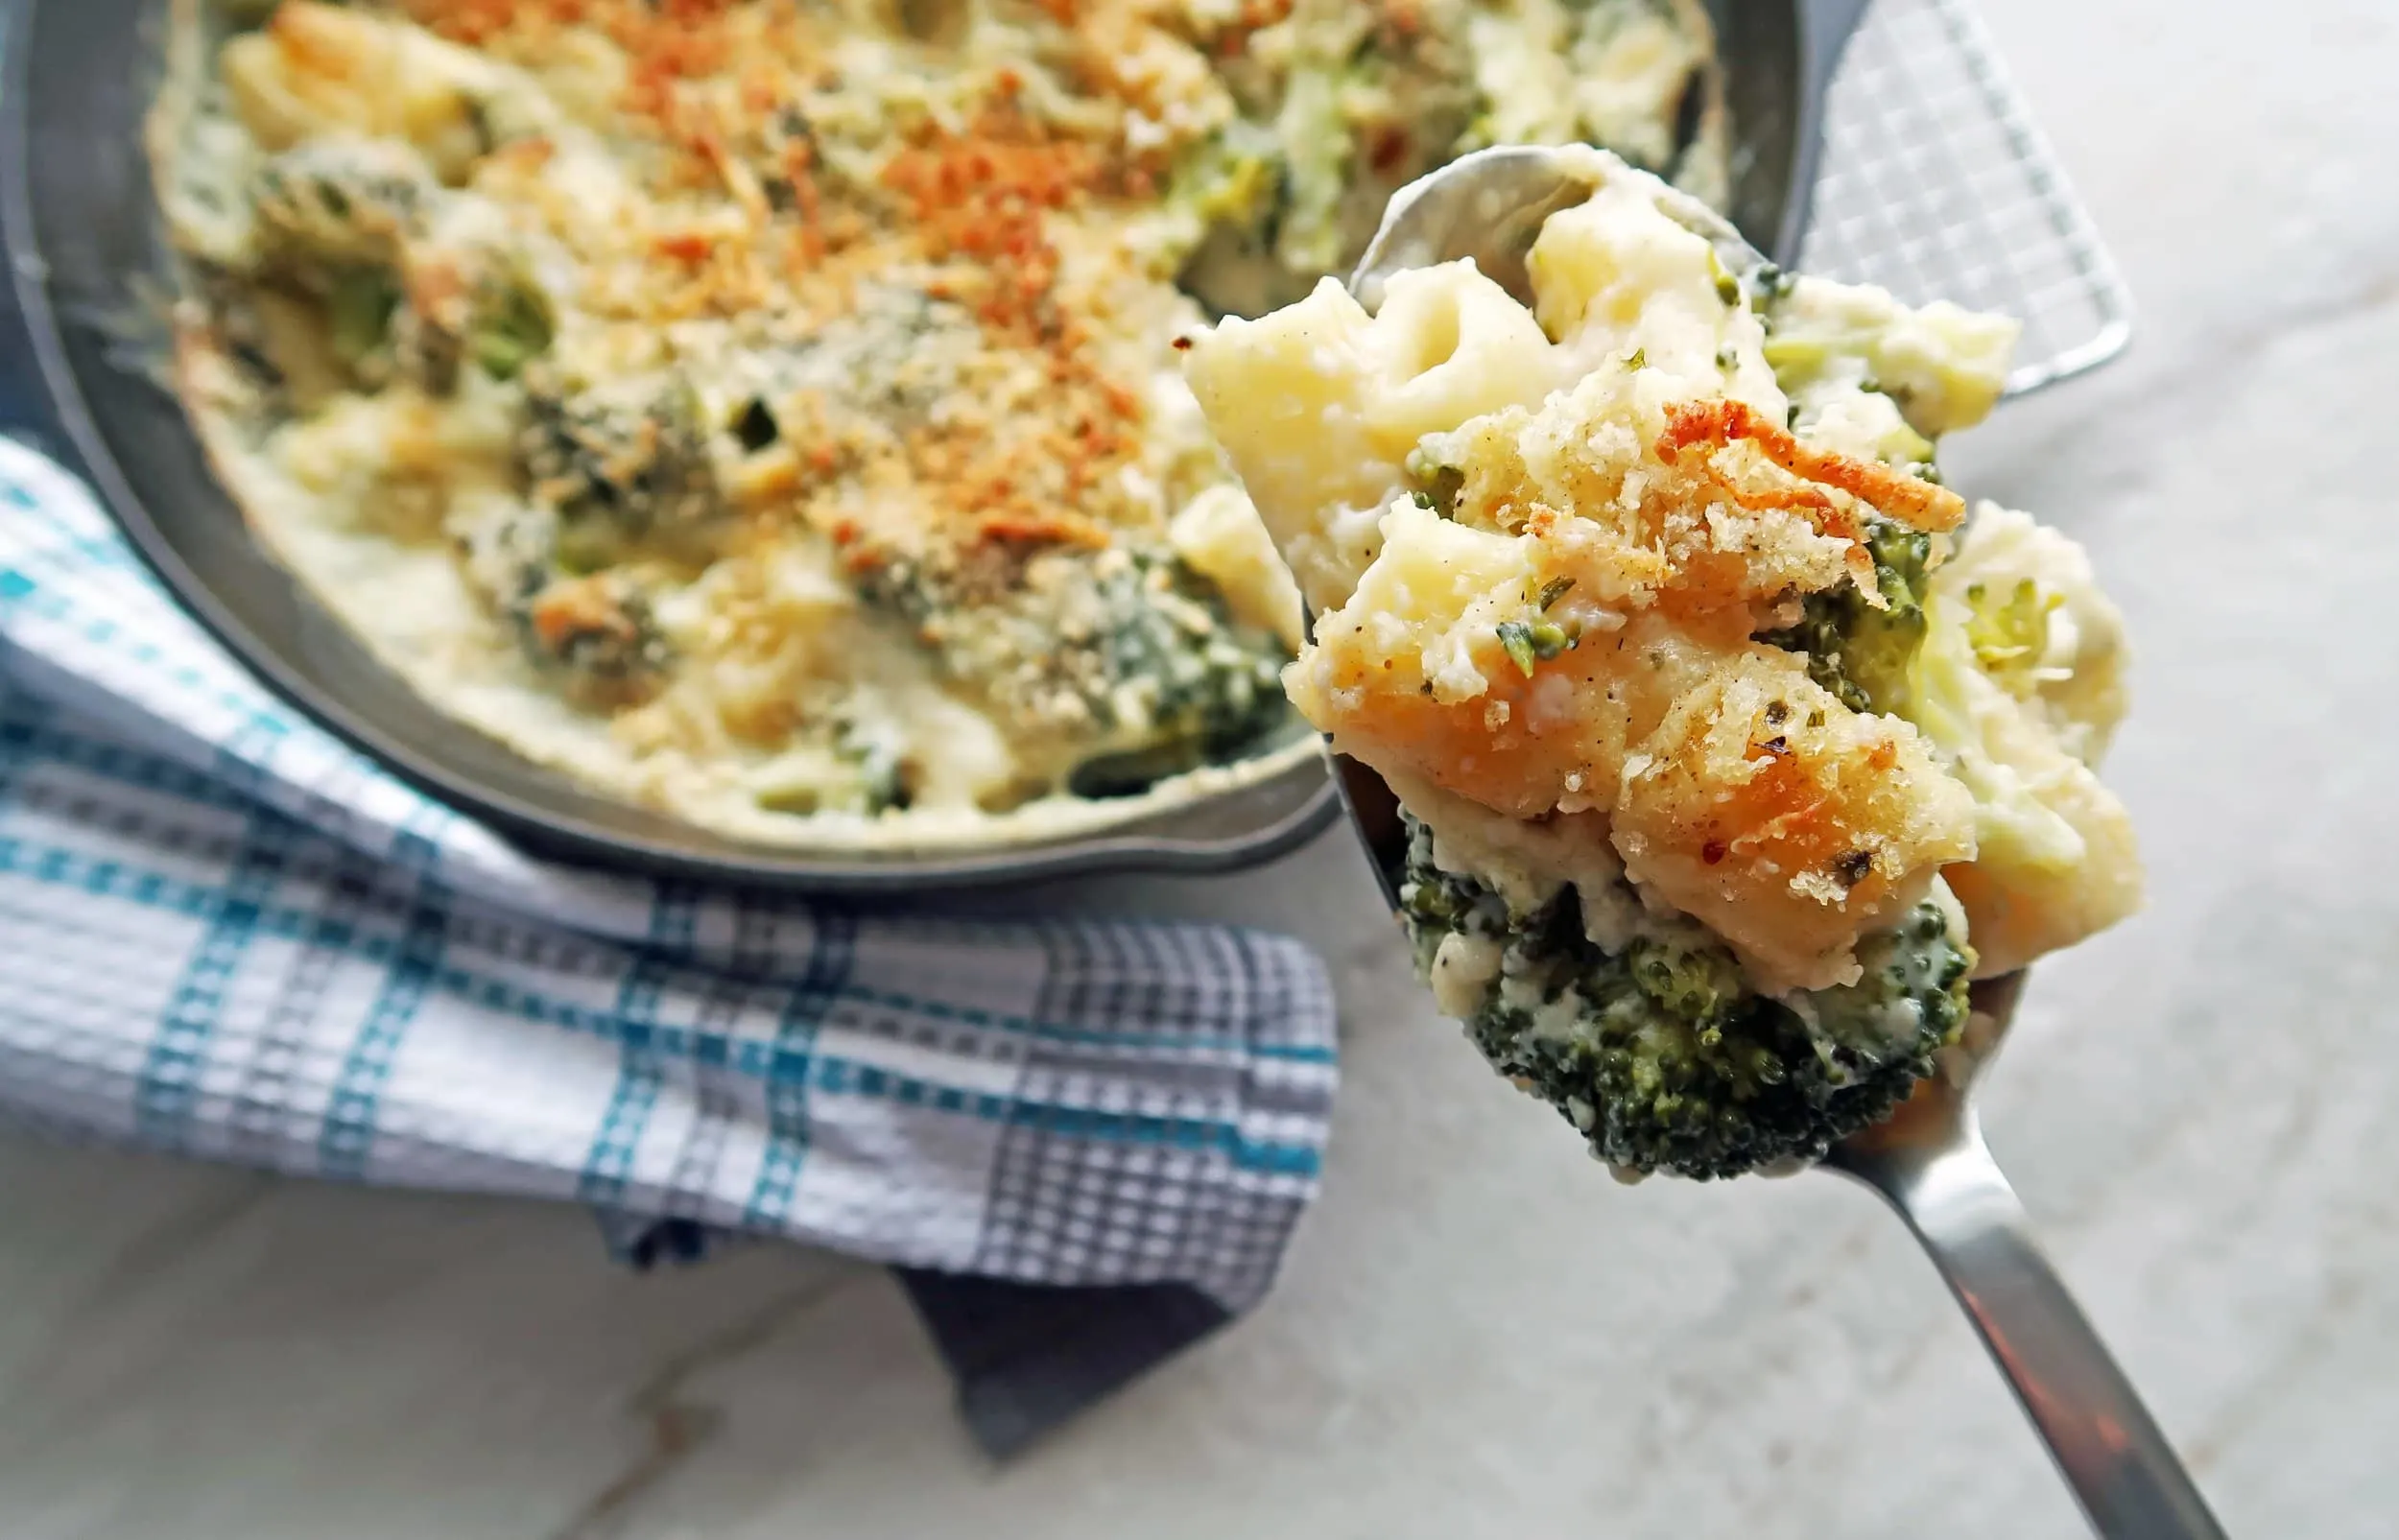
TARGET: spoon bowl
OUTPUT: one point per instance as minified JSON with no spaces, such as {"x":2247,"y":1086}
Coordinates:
{"x":1489,"y":206}
{"x":1928,"y":1159}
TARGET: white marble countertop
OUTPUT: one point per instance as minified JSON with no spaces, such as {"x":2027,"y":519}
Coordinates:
{"x":1479,"y":1335}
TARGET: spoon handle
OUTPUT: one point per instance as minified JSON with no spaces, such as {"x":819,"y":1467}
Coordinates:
{"x":2122,"y":1471}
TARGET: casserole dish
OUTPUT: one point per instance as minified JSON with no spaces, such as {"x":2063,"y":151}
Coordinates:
{"x":90,"y":270}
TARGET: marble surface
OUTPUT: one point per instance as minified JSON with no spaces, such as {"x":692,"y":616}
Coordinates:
{"x":1479,"y":1335}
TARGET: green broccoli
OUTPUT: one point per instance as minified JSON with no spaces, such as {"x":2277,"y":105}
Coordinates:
{"x":596,"y":636}
{"x":510,"y":326}
{"x":362,"y":225}
{"x":881,"y":757}
{"x":1128,"y":649}
{"x":623,"y":461}
{"x":1358,"y":102}
{"x":1859,"y":653}
{"x":1236,"y":188}
{"x":2009,"y":631}
{"x":1234,"y":179}
{"x":863,"y":766}
{"x":589,"y":630}
{"x":1662,"y":1056}
{"x":1532,"y":642}
{"x":1175,"y":663}
{"x":359,"y":307}
{"x":1432,"y":484}
{"x":479,"y":302}
{"x":341,"y":201}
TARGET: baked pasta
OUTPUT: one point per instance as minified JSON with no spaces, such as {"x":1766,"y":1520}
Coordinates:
{"x":1733,"y":745}
{"x":761,"y":409}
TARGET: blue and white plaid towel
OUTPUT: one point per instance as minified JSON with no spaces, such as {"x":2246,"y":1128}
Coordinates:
{"x":222,"y":933}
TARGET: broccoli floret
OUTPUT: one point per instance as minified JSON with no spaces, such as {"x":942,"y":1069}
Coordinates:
{"x":334,"y":216}
{"x":1943,"y":366}
{"x":623,"y":461}
{"x":1236,"y":188}
{"x":881,"y":758}
{"x":1433,"y":483}
{"x":489,"y":313}
{"x":596,"y":637}
{"x":409,"y":273}
{"x":1358,"y":103}
{"x":360,"y":303}
{"x":1861,"y":653}
{"x":590,"y":631}
{"x":1234,"y":179}
{"x":472,"y":295}
{"x":1127,"y":650}
{"x":1662,"y":1056}
{"x":1173,"y":660}
{"x":348,"y":201}
{"x":499,"y":322}
{"x":510,"y":326}
{"x":1698,"y":985}
{"x":863,"y":766}
{"x":2009,"y":631}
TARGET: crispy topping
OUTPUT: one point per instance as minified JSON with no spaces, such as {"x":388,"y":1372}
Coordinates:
{"x":981,"y":196}
{"x":973,"y":202}
{"x":1893,"y":493}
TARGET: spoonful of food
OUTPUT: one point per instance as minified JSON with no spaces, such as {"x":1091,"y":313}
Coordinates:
{"x":1928,"y":1160}
{"x":1724,"y":774}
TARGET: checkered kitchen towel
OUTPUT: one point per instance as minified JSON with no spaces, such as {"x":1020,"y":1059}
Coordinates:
{"x":224,"y":934}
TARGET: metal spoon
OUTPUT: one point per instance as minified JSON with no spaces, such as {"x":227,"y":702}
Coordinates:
{"x":1928,"y":1160}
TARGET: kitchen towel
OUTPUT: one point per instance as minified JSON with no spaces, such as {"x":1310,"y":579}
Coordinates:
{"x":224,"y":934}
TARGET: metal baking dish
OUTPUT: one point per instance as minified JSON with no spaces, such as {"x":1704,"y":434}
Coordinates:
{"x":87,"y":259}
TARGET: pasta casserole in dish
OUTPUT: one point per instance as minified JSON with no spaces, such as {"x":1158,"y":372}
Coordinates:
{"x":761,"y":409}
